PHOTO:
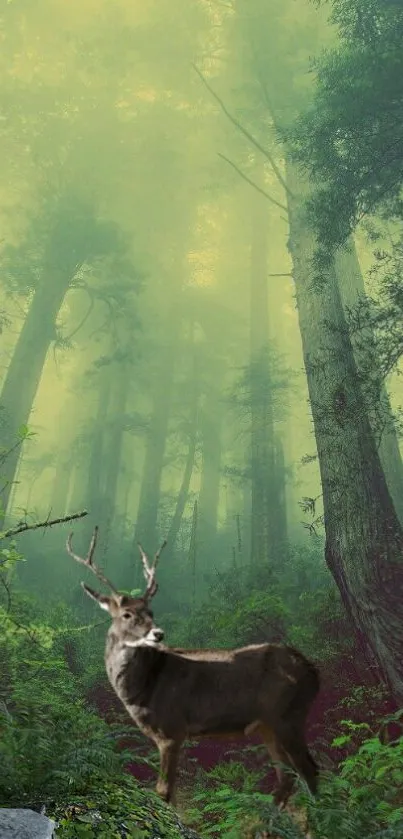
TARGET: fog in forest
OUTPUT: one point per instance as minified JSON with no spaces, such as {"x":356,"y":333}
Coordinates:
{"x":188,"y":353}
{"x":150,"y":335}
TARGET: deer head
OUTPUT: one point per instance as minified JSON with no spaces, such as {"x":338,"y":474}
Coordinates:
{"x":132,"y":618}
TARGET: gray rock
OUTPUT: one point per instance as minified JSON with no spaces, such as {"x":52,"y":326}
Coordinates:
{"x":25,"y":824}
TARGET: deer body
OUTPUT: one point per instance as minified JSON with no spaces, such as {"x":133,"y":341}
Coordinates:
{"x":175,"y":694}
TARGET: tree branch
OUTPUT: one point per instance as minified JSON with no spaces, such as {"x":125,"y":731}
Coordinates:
{"x":252,"y":183}
{"x":244,"y":131}
{"x":21,"y":528}
{"x":84,"y":319}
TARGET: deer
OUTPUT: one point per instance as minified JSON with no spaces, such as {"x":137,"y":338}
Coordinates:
{"x":176,"y":694}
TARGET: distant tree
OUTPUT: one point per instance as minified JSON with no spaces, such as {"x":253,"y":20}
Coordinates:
{"x":65,"y":238}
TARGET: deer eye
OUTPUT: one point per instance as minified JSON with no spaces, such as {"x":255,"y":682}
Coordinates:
{"x":126,"y":616}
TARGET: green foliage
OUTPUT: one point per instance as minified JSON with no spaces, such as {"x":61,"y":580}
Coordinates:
{"x":226,"y":803}
{"x":51,"y":741}
{"x":362,"y":798}
{"x":350,"y":138}
{"x":116,"y":810}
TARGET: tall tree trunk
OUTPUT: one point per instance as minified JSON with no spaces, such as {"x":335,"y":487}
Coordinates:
{"x":266,"y":513}
{"x":147,"y":512}
{"x":364,"y":540}
{"x":209,"y":495}
{"x":352,"y":288}
{"x":279,"y":494}
{"x":113,"y":450}
{"x":96,"y":501}
{"x":183,"y":493}
{"x":25,"y":369}
{"x":61,"y":486}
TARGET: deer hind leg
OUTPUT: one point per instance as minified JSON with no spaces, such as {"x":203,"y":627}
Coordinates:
{"x":169,"y":756}
{"x":280,"y":758}
{"x":291,"y":738}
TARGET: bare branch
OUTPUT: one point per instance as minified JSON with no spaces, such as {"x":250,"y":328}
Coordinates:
{"x":88,"y":560}
{"x":244,"y":131}
{"x":21,"y":528}
{"x":5,"y":585}
{"x":84,"y":318}
{"x":149,"y":570}
{"x":252,"y":183}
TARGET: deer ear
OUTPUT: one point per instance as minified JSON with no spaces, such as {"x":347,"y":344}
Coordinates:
{"x":103,"y":602}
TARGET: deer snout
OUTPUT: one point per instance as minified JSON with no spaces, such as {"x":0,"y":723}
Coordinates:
{"x":156,"y":634}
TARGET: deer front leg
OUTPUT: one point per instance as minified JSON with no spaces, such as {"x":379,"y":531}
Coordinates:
{"x":169,"y":755}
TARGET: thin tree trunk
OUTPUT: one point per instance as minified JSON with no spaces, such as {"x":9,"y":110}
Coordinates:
{"x":209,"y":495}
{"x":183,"y":493}
{"x":96,"y":486}
{"x":147,"y":512}
{"x":352,"y":288}
{"x":364,"y":540}
{"x":113,"y":454}
{"x":61,"y":486}
{"x":267,"y":539}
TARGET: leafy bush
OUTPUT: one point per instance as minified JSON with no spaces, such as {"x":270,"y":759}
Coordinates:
{"x":50,"y":740}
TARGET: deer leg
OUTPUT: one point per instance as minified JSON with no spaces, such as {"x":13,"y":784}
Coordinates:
{"x":292,"y":740}
{"x":278,"y":755}
{"x":169,"y":755}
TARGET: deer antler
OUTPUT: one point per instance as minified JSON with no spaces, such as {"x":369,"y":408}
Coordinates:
{"x":88,"y":560}
{"x":149,"y":570}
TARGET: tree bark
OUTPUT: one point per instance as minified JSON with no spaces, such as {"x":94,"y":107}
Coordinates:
{"x":364,"y":540}
{"x":352,"y":288}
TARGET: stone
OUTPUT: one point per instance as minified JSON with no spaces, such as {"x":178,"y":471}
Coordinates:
{"x":25,"y":824}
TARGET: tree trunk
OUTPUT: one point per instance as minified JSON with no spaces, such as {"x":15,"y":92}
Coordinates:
{"x":96,"y":486}
{"x":352,"y":289}
{"x":183,"y":493}
{"x":364,"y":540}
{"x":147,"y":512}
{"x":26,"y":366}
{"x":113,"y":451}
{"x":61,"y":486}
{"x":266,"y":514}
{"x":209,"y":495}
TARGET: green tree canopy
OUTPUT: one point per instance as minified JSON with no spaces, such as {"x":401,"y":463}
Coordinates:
{"x":350,"y":139}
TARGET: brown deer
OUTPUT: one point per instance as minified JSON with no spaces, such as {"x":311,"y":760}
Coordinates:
{"x":177,"y":694}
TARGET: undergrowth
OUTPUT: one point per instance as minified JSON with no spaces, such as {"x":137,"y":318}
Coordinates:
{"x":363,"y":798}
{"x":51,"y":740}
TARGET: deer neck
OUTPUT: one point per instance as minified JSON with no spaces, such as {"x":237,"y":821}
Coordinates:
{"x":132,"y":668}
